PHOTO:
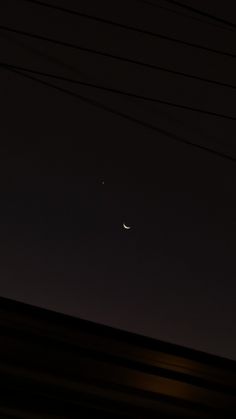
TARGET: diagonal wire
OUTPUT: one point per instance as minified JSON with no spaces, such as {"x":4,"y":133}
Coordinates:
{"x":133,"y":29}
{"x":118,"y":91}
{"x":116,"y":57}
{"x":182,"y":14}
{"x":125,"y":116}
{"x":202,"y":13}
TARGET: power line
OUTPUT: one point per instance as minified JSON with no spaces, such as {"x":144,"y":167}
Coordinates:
{"x":62,"y":63}
{"x":125,"y":116}
{"x":132,"y":28}
{"x":118,"y":91}
{"x":117,"y":57}
{"x":42,"y":53}
{"x":202,"y":13}
{"x":66,"y":65}
{"x":182,"y":14}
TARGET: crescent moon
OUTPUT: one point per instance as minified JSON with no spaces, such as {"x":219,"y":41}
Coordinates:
{"x":126,"y":227}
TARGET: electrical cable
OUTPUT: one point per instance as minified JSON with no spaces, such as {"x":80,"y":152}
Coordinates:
{"x":182,"y":14}
{"x":41,"y":53}
{"x":116,"y":57}
{"x":125,"y":116}
{"x":133,"y":29}
{"x":118,"y":91}
{"x":202,"y":13}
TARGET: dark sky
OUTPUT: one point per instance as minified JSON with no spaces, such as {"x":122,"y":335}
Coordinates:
{"x":72,"y":173}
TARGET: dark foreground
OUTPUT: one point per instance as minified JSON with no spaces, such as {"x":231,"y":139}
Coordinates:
{"x":57,"y":366}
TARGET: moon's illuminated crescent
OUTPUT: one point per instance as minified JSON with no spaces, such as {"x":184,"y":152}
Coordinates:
{"x":126,"y":227}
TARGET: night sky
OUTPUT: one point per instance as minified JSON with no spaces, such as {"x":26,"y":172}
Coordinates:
{"x":73,"y":173}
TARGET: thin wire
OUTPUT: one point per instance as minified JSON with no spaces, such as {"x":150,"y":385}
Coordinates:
{"x":125,"y":116}
{"x":40,"y":53}
{"x":116,"y":57}
{"x":176,"y":12}
{"x":72,"y":68}
{"x":133,"y":29}
{"x":118,"y":91}
{"x":202,"y":13}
